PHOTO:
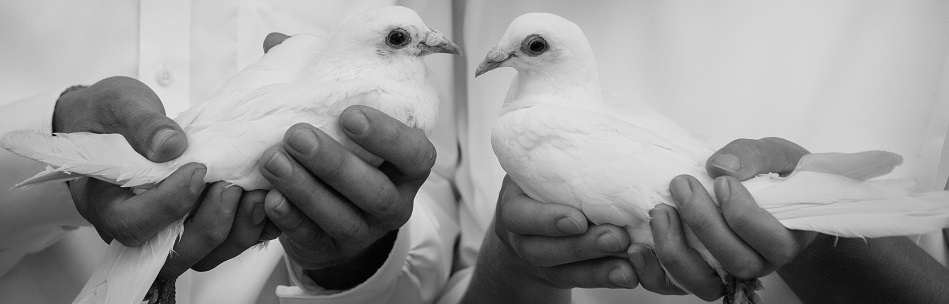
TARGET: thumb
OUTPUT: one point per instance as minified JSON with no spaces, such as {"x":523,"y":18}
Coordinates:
{"x":745,"y":158}
{"x":273,"y":39}
{"x":151,"y":133}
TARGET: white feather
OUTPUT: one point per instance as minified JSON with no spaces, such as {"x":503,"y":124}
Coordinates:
{"x":305,"y":79}
{"x":107,"y":157}
{"x":125,"y":273}
{"x":563,"y":143}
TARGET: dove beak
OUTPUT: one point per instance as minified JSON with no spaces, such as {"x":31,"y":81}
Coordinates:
{"x":435,"y":42}
{"x":495,"y":59}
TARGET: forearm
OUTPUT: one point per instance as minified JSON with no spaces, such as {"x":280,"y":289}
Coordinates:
{"x":882,"y":270}
{"x":498,"y":279}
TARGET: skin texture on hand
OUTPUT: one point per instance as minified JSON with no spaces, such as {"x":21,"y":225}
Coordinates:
{"x":222,"y":224}
{"x":542,"y":250}
{"x":126,"y":106}
{"x":338,"y":214}
{"x":750,"y":242}
{"x":747,"y":240}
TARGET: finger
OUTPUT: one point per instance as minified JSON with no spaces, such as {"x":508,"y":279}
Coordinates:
{"x":245,"y":231}
{"x":520,"y":214}
{"x":745,"y":158}
{"x":139,"y":116}
{"x":205,"y":230}
{"x":680,"y":259}
{"x":273,"y":39}
{"x":650,"y":273}
{"x":291,"y":221}
{"x":609,"y":272}
{"x":139,"y":217}
{"x":599,"y":241}
{"x":364,"y":185}
{"x":757,"y":227}
{"x":408,"y":153}
{"x":270,"y":231}
{"x":323,"y":206}
{"x":698,"y":211}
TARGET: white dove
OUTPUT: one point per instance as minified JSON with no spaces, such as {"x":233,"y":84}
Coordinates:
{"x":562,"y":142}
{"x":375,"y":59}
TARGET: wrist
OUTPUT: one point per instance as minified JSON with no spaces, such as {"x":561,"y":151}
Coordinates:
{"x":502,"y":277}
{"x":355,"y":269}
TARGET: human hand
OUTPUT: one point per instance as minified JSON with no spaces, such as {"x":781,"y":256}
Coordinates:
{"x":338,"y":214}
{"x":747,"y":240}
{"x":227,"y":222}
{"x":556,"y":246}
{"x":536,"y":252}
{"x":126,"y":106}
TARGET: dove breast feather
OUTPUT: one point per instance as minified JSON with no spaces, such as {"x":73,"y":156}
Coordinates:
{"x":590,"y":161}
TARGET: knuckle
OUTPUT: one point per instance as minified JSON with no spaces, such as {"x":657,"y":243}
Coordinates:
{"x":347,"y":229}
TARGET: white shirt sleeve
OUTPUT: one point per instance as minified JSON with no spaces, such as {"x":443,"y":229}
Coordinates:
{"x":417,"y":268}
{"x":34,"y":218}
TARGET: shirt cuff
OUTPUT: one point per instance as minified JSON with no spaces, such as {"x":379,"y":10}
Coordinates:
{"x":31,"y":113}
{"x":373,"y":290}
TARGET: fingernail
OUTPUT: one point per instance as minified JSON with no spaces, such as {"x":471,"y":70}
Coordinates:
{"x":258,"y":215}
{"x":608,"y":243}
{"x":569,"y":226}
{"x":160,"y":138}
{"x":304,"y":141}
{"x":281,"y":207}
{"x":681,"y":189}
{"x":727,"y":162}
{"x":356,"y":122}
{"x":279,"y":165}
{"x":661,"y":220}
{"x":197,"y":180}
{"x":619,"y":277}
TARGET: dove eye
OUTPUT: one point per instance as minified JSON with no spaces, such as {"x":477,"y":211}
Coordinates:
{"x":534,"y":45}
{"x":398,"y":38}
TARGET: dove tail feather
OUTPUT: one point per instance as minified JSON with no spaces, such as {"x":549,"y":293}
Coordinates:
{"x":107,"y":157}
{"x":126,"y":273}
{"x":880,"y":218}
{"x":859,"y":166}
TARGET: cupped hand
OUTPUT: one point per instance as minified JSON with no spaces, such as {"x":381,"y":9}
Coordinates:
{"x":228,"y":221}
{"x":556,"y":246}
{"x":747,"y":240}
{"x":339,"y":215}
{"x":126,"y":106}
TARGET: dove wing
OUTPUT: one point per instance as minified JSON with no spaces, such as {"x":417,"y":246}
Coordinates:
{"x":282,"y":64}
{"x":612,"y":170}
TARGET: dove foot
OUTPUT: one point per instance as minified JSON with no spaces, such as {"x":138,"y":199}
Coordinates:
{"x":741,"y":291}
{"x":161,"y":292}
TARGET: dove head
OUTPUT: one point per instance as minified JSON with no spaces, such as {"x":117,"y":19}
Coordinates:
{"x":540,"y":43}
{"x":391,"y":32}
